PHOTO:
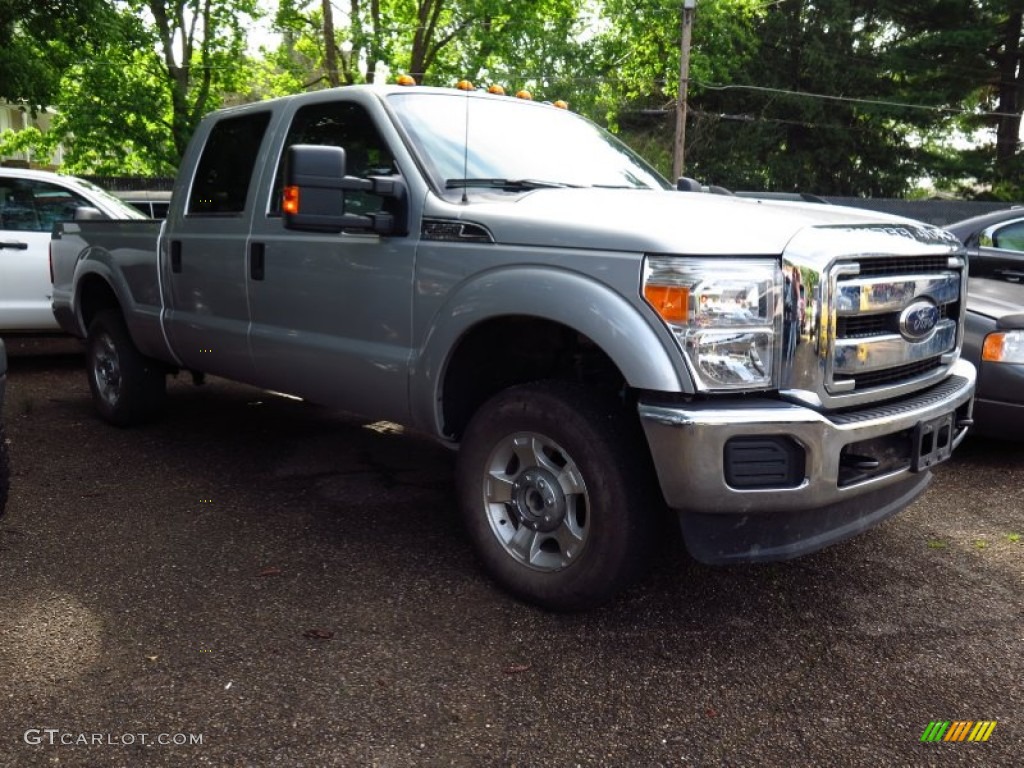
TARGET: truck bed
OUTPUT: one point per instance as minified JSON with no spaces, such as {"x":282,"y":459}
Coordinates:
{"x":130,"y":244}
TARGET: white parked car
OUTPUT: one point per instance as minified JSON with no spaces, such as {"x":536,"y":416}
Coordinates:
{"x":30,"y":203}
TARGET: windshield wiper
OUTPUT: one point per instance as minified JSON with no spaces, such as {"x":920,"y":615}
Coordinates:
{"x":513,"y":185}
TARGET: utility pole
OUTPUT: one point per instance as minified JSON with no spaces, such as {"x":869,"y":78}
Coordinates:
{"x":678,"y":162}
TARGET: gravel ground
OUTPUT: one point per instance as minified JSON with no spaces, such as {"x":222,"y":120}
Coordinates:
{"x":277,"y":584}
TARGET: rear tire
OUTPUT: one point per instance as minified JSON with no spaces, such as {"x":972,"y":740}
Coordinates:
{"x":556,"y":489}
{"x":127,"y":387}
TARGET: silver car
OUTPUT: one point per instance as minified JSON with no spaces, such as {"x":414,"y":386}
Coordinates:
{"x":30,"y":203}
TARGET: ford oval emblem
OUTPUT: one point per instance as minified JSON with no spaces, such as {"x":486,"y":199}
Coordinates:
{"x":918,"y":320}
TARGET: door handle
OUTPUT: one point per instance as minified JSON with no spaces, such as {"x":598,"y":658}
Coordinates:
{"x":14,"y":245}
{"x":256,"y":254}
{"x":175,"y":255}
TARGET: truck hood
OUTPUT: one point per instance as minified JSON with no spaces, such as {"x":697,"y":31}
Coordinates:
{"x":1001,"y":300}
{"x":653,"y":221}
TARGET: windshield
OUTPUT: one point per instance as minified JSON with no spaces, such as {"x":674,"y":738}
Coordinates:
{"x":510,"y":144}
{"x":119,"y":206}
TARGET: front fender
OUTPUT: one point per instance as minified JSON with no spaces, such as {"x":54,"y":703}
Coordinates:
{"x":640,"y":346}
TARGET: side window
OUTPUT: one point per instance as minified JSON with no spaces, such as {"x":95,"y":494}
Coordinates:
{"x":1010,"y":237}
{"x":225,"y":168}
{"x":347,"y":125}
{"x":27,"y":205}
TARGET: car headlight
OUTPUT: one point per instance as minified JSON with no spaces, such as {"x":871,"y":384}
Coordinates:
{"x":1004,"y":347}
{"x":725,"y":314}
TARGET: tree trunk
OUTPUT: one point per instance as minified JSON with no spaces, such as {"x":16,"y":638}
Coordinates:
{"x":1011,"y":86}
{"x":330,"y":46}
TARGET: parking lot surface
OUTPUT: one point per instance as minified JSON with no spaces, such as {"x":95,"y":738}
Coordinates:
{"x":253,"y":581}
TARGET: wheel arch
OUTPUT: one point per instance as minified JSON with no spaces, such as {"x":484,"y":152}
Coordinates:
{"x":94,"y":294}
{"x":528,"y":323}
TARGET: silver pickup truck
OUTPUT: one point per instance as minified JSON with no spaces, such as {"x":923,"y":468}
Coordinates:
{"x":599,"y":344}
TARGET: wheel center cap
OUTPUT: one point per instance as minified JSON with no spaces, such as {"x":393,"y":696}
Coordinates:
{"x":538,"y":500}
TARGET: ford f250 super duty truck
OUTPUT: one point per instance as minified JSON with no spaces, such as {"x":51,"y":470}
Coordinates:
{"x":508,"y":277}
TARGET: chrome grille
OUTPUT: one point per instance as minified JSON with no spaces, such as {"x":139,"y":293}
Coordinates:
{"x":906,"y":265}
{"x":880,"y":311}
{"x":898,"y":374}
{"x":852,"y":326}
{"x":873,"y":346}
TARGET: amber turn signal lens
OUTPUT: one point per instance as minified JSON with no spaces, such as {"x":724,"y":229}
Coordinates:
{"x":670,"y":301}
{"x":290,"y":200}
{"x":993,"y":348}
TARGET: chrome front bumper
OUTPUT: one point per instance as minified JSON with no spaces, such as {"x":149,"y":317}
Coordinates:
{"x":689,"y":445}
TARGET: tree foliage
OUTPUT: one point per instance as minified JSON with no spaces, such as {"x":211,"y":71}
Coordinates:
{"x":531,"y":43}
{"x":40,"y":40}
{"x":858,"y":97}
{"x":130,"y":103}
{"x":966,"y":60}
{"x":849,"y":97}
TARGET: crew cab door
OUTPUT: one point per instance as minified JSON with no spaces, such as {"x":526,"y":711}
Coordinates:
{"x":203,"y":251}
{"x":331,"y":312}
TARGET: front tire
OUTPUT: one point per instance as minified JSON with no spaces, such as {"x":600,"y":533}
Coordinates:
{"x":555,"y":488}
{"x":127,"y":387}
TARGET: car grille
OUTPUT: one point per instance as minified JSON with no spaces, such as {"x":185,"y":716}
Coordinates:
{"x":873,"y":321}
{"x":871,"y":345}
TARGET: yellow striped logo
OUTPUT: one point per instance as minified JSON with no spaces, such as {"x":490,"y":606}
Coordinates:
{"x":958,"y":730}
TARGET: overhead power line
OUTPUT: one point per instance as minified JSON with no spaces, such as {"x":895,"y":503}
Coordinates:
{"x":850,"y":99}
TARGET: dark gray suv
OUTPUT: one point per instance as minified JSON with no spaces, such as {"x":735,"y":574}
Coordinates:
{"x":994,"y":329}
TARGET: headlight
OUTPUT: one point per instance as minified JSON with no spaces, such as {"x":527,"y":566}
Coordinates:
{"x":1004,"y":347}
{"x":725,"y":314}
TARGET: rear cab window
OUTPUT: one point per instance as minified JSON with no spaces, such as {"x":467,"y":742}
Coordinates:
{"x":225,"y":169}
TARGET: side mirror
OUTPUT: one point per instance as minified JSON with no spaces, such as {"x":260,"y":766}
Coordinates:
{"x":88,"y":213}
{"x":315,"y":184}
{"x":686,"y":184}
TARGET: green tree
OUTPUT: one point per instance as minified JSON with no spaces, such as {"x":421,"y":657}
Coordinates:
{"x":846,"y":97}
{"x":817,"y":110}
{"x":638,"y":80}
{"x":41,"y":39}
{"x":200,"y":43}
{"x":132,"y":104}
{"x":529,"y":44}
{"x":967,"y":60}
